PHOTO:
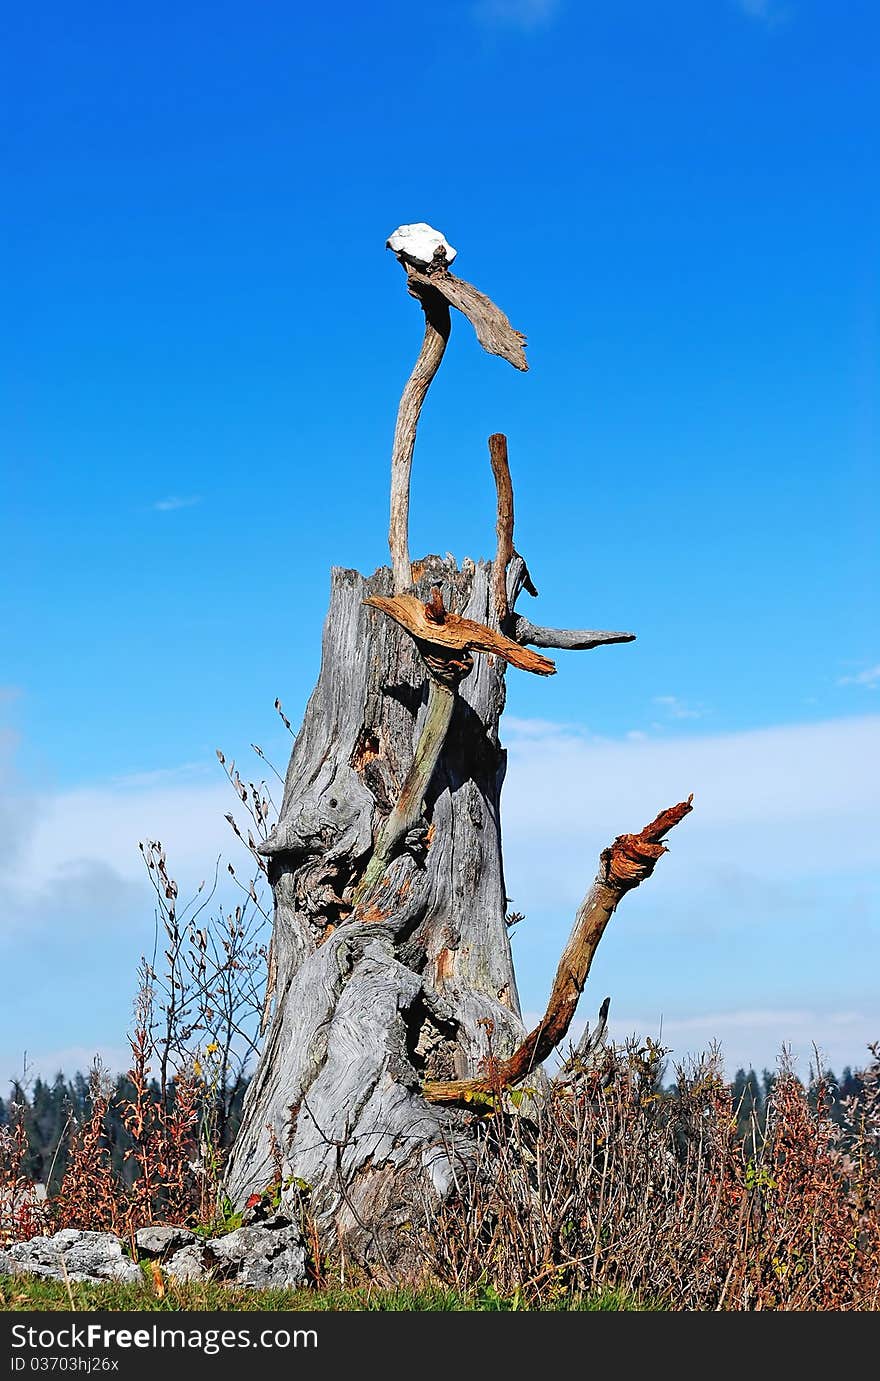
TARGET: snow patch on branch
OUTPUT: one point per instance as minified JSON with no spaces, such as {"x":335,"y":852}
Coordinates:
{"x":419,"y":243}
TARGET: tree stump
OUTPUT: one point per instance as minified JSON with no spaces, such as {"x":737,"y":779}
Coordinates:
{"x":394,"y":1007}
{"x":367,"y":1007}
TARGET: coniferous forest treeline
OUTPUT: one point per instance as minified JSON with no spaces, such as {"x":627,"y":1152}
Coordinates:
{"x":50,"y":1110}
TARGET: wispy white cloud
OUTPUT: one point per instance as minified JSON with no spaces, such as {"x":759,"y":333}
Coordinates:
{"x":748,"y":1037}
{"x":566,"y":792}
{"x":809,"y":787}
{"x":77,"y":908}
{"x":782,"y":839}
{"x":174,"y":501}
{"x":770,"y":12}
{"x":777,"y":861}
{"x":72,"y":857}
{"x":517,"y":14}
{"x":870,"y":678}
{"x":516,"y":727}
{"x":678,"y":709}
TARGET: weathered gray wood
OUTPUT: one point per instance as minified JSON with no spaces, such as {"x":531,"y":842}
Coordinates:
{"x":369,"y":1006}
{"x":522,"y":630}
{"x":574,"y":639}
{"x":409,"y":805}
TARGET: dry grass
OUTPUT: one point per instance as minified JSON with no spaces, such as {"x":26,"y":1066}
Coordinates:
{"x":169,"y":1180}
{"x":614,"y":1185}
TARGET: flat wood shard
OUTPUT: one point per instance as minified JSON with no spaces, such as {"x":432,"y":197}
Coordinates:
{"x":494,"y":331}
{"x":425,"y":624}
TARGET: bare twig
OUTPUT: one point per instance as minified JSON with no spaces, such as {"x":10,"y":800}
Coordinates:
{"x":628,"y":862}
{"x":504,"y":525}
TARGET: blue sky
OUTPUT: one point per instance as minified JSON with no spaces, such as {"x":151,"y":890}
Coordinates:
{"x":677,"y":201}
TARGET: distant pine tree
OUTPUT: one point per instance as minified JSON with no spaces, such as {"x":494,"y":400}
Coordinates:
{"x":52,"y":1110}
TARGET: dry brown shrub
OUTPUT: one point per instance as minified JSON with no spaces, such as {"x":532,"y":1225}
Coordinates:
{"x":611,"y":1183}
{"x":21,"y":1213}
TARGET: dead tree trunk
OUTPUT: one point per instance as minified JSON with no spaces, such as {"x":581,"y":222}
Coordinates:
{"x":395,"y":1006}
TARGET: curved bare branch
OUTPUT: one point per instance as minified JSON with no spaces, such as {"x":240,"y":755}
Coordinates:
{"x":437,"y":328}
{"x":628,"y":862}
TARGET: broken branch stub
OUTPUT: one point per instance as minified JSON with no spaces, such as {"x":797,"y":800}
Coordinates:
{"x":589,"y":1049}
{"x":522,"y":630}
{"x":566,"y":639}
{"x":455,"y":634}
{"x":622,"y":867}
{"x":504,"y":524}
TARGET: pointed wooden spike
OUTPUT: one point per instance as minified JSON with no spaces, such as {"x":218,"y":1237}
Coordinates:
{"x":434,"y":609}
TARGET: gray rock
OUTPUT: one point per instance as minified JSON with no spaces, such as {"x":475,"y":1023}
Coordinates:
{"x":268,"y":1255}
{"x":162,"y":1240}
{"x":187,"y":1264}
{"x":260,"y":1256}
{"x":72,"y":1255}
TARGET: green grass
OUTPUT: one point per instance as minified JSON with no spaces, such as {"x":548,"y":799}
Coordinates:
{"x":31,"y":1292}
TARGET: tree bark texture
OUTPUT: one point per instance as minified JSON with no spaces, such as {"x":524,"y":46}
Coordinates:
{"x":377,"y":995}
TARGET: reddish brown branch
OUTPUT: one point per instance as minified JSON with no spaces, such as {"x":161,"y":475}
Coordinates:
{"x":626,"y":864}
{"x":504,"y":525}
{"x":451,"y":632}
